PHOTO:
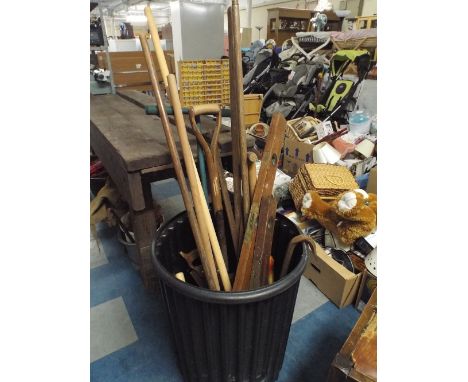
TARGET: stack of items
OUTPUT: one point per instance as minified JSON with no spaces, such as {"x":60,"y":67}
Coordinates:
{"x":303,"y":129}
{"x":328,"y":180}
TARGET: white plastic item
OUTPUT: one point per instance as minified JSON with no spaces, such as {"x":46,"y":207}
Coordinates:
{"x":325,"y":153}
{"x":359,"y":122}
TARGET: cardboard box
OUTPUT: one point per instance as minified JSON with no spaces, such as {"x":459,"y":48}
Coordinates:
{"x":372,"y":182}
{"x":334,"y":280}
{"x":363,"y":167}
{"x":295,"y":155}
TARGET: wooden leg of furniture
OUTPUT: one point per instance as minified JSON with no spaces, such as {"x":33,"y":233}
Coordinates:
{"x":144,"y":225}
{"x":145,"y":222}
{"x":339,"y":369}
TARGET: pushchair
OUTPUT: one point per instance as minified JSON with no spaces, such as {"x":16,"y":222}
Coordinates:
{"x":305,"y":44}
{"x":287,"y":97}
{"x":339,"y":97}
{"x":257,"y":79}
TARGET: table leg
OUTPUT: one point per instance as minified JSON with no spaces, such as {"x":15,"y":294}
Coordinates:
{"x":144,"y":225}
{"x":144,"y":222}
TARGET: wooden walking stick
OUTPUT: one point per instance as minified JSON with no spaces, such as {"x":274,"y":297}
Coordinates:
{"x":266,"y":177}
{"x":289,"y":251}
{"x":203,"y":246}
{"x":201,"y":207}
{"x":237,"y":99}
{"x":160,"y":58}
{"x":236,"y":159}
{"x":227,"y":204}
{"x":215,"y":187}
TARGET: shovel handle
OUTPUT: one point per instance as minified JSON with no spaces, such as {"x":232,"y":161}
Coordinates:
{"x":207,"y":108}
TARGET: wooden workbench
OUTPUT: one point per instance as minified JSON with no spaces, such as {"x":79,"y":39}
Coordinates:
{"x":132,"y":147}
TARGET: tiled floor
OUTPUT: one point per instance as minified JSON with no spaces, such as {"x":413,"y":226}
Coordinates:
{"x":98,"y":257}
{"x":130,"y":332}
{"x":111,"y":328}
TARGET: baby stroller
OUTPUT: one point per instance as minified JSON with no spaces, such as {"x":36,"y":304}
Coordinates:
{"x":251,"y":53}
{"x":287,"y":97}
{"x":306,"y":44}
{"x":257,"y":77}
{"x":338,"y":99}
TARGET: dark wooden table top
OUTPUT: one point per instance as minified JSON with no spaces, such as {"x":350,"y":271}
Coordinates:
{"x":207,"y":122}
{"x":138,"y":138}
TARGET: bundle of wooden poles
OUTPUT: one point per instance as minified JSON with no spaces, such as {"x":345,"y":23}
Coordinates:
{"x":251,"y":219}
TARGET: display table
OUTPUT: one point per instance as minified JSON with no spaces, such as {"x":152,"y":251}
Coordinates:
{"x":357,"y":359}
{"x":132,"y":147}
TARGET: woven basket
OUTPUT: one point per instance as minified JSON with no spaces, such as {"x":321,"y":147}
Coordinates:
{"x":327,"y":176}
{"x":328,"y":180}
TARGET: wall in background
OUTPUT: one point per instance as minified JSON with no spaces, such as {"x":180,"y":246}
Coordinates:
{"x":260,"y":14}
{"x":369,"y":8}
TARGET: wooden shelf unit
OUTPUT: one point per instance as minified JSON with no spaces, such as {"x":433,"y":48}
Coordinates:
{"x":284,"y":23}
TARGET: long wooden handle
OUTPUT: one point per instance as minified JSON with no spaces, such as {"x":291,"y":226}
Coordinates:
{"x":252,"y":159}
{"x":227,"y":205}
{"x":236,"y":159}
{"x":157,"y":45}
{"x":203,"y":247}
{"x":214,"y":184}
{"x":207,"y":108}
{"x":237,"y":98}
{"x":201,"y":207}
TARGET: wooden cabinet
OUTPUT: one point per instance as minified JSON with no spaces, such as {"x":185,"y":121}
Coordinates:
{"x":357,"y":359}
{"x":284,"y":23}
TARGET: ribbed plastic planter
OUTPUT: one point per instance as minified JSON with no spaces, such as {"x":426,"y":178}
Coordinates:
{"x":227,"y":336}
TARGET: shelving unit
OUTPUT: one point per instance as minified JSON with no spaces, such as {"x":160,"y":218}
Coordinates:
{"x":284,"y":23}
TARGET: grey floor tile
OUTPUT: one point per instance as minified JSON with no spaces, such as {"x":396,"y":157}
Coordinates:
{"x":98,"y":256}
{"x":111,"y":328}
{"x":308,"y":299}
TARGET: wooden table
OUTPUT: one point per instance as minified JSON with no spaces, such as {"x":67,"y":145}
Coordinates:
{"x":132,"y":147}
{"x":357,"y":359}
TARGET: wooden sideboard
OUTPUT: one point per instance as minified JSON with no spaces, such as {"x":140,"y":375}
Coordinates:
{"x":357,"y":359}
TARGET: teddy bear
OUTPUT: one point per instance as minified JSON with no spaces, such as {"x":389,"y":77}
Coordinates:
{"x":353,"y":214}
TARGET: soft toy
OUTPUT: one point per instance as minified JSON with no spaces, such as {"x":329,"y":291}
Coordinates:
{"x":353,"y":214}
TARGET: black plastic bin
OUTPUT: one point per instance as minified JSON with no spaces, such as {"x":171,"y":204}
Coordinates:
{"x":227,"y":336}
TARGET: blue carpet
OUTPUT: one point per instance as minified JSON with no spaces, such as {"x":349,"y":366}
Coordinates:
{"x":314,"y":341}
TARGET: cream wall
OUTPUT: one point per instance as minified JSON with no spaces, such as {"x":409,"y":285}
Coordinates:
{"x":369,"y":8}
